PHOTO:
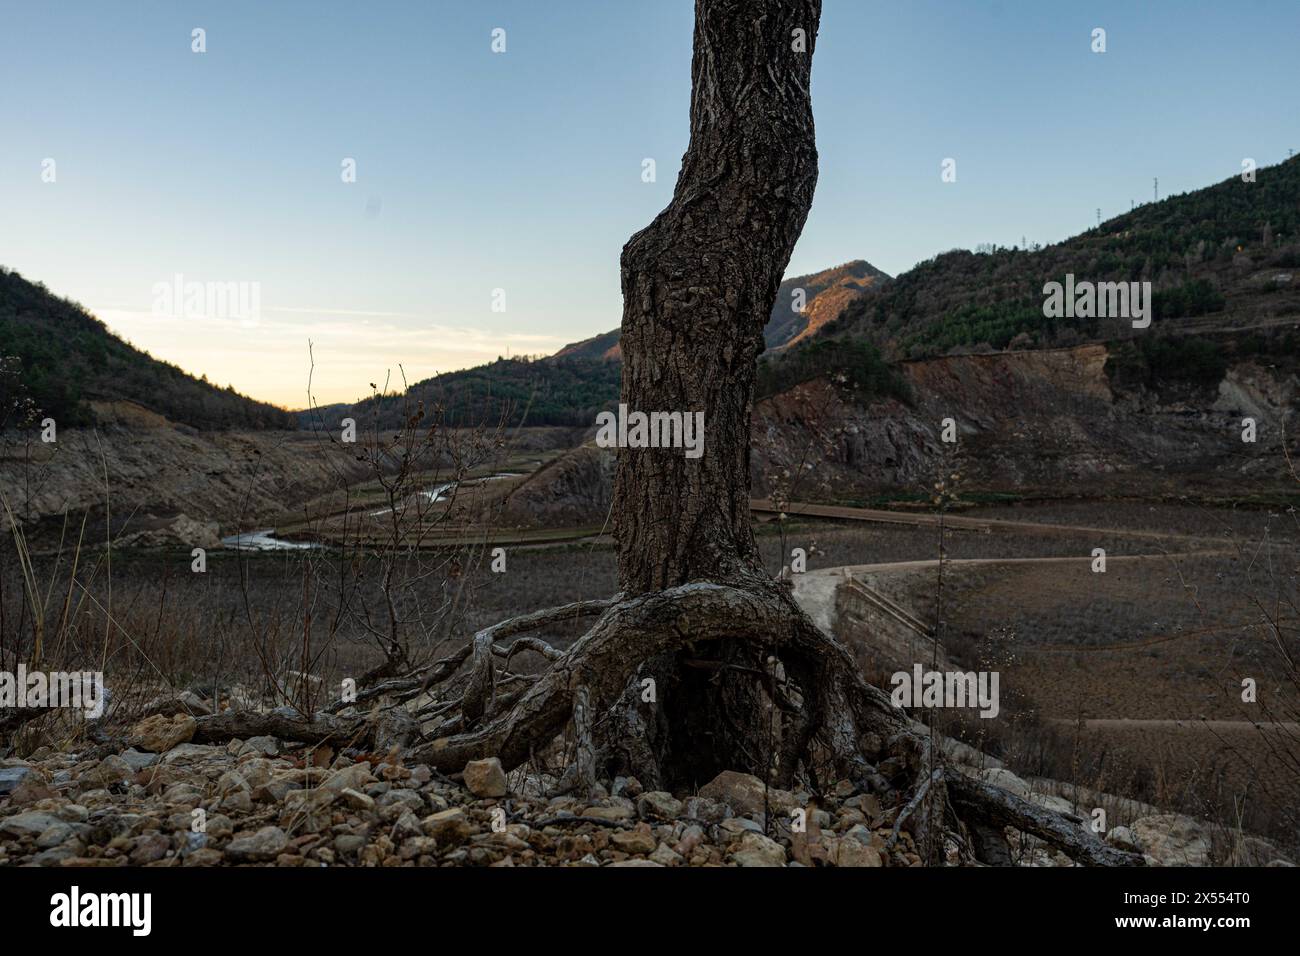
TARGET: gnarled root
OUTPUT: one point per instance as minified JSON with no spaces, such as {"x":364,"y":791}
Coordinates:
{"x":727,"y":641}
{"x":678,"y":685}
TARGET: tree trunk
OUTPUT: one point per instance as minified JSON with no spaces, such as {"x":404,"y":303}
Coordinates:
{"x":739,"y":677}
{"x":699,"y":285}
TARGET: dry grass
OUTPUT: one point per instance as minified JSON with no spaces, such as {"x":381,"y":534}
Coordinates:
{"x":1106,"y":677}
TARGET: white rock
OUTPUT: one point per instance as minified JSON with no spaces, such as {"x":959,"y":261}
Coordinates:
{"x":745,"y":793}
{"x":159,"y":734}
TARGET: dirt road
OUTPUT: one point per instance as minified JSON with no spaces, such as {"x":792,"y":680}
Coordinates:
{"x":815,"y":590}
{"x":985,"y":525}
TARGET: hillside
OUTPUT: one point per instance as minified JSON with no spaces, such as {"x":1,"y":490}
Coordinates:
{"x":139,"y":479}
{"x":571,"y":386}
{"x":564,"y":391}
{"x":1223,"y":257}
{"x":1090,"y":421}
{"x":56,"y":359}
{"x":826,"y":295}
{"x":603,"y":347}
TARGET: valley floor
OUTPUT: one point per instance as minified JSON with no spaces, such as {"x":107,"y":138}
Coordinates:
{"x":1125,"y":683}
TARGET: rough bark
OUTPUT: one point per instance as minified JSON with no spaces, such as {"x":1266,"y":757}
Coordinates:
{"x":698,"y":287}
{"x":990,"y":843}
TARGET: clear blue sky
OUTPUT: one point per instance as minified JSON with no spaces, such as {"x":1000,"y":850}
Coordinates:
{"x":522,"y":170}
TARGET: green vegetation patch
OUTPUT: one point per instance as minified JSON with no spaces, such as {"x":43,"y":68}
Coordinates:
{"x":854,"y":363}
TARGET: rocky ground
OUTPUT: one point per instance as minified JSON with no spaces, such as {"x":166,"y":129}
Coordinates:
{"x":165,"y":801}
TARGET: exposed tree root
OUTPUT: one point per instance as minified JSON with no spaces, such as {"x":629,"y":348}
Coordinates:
{"x":989,"y":843}
{"x":918,"y":798}
{"x":419,"y":682}
{"x":341,"y":731}
{"x":605,"y":661}
{"x":999,"y":808}
{"x":703,"y":653}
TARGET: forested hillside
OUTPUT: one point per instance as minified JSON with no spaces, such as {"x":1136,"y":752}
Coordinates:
{"x":56,"y":358}
{"x":1228,"y":252}
{"x":513,"y":392}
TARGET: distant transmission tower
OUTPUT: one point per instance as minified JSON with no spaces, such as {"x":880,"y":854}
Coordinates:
{"x":1099,"y":215}
{"x":1155,"y":188}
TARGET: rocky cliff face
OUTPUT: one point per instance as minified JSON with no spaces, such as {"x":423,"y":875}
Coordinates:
{"x":1033,"y":422}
